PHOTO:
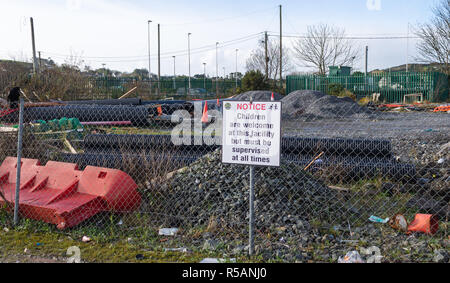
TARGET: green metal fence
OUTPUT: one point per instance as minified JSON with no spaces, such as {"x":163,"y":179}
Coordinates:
{"x":392,"y":87}
{"x":178,"y":88}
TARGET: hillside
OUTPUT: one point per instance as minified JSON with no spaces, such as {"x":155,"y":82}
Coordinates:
{"x":434,"y":67}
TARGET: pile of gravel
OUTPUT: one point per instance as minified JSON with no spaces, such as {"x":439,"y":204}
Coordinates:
{"x":208,"y":188}
{"x":258,"y":95}
{"x":315,"y":104}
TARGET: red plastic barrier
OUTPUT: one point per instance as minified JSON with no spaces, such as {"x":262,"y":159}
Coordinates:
{"x":443,"y":108}
{"x":392,"y":105}
{"x":59,"y":193}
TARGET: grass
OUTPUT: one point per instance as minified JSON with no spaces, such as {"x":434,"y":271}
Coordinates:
{"x":107,"y":245}
{"x":56,"y":245}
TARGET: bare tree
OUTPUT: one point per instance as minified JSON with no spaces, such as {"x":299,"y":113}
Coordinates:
{"x":434,"y":45}
{"x":256,"y":61}
{"x":74,"y":60}
{"x":324,"y":46}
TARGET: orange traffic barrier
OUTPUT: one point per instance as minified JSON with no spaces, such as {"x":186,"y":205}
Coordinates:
{"x":425,"y":223}
{"x":205,"y":113}
{"x":60,"y":194}
{"x":159,"y":109}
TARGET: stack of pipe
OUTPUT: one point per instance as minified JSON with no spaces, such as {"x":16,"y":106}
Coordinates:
{"x":361,"y":158}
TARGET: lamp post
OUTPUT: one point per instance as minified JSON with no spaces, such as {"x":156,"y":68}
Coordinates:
{"x":235,"y":74}
{"x":217,"y":70}
{"x":189,"y":58}
{"x":223,"y":86}
{"x":174,"y":74}
{"x":149,"y":65}
{"x":159,"y":62}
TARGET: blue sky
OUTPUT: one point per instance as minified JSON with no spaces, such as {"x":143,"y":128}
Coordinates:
{"x":114,"y":32}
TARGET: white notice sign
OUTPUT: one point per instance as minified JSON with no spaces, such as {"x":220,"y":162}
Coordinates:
{"x":251,"y":133}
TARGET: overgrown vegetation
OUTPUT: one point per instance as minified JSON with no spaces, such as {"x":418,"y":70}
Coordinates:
{"x":339,"y":91}
{"x":255,"y":80}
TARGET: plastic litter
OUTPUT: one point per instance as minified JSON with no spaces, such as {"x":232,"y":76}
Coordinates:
{"x":182,"y":250}
{"x":398,"y":222}
{"x":168,"y":231}
{"x":377,"y":219}
{"x":86,"y":239}
{"x":351,"y":257}
{"x":424,"y":223}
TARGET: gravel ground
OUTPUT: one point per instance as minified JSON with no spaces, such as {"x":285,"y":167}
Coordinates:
{"x":209,"y":187}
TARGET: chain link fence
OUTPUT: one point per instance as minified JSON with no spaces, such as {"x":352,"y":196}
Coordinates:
{"x":341,"y":164}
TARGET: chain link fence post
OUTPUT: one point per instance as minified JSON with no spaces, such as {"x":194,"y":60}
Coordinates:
{"x":19,"y":157}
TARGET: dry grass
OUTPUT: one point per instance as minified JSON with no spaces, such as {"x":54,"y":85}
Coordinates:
{"x":65,"y":83}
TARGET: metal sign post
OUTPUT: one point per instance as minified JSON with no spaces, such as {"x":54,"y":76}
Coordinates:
{"x":251,"y":228}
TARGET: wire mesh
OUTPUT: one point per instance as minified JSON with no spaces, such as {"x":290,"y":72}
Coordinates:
{"x":340,"y":165}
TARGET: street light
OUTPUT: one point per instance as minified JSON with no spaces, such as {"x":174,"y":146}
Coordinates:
{"x":204,"y":76}
{"x":235,"y":74}
{"x":149,"y":65}
{"x":189,"y":57}
{"x":174,"y":74}
{"x":217,"y":70}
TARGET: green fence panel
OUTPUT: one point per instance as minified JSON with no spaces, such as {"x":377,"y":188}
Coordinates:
{"x":111,"y":87}
{"x":392,"y":87}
